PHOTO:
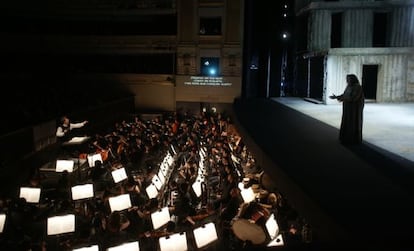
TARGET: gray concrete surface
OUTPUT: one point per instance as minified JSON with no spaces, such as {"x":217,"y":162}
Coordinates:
{"x":389,"y":126}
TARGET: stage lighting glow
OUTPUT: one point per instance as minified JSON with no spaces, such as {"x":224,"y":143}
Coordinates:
{"x":212,"y":71}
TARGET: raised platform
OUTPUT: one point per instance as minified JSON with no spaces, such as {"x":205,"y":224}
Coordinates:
{"x":357,"y":191}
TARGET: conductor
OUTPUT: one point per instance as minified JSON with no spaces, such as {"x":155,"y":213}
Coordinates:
{"x":66,"y":126}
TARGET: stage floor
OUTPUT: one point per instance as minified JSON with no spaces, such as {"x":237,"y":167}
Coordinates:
{"x":365,"y":189}
{"x":389,"y":126}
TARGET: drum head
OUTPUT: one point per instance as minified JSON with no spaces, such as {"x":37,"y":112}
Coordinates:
{"x":248,"y":231}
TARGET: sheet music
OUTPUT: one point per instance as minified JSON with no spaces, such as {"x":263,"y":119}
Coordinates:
{"x":30,"y":194}
{"x":119,"y":175}
{"x":175,"y":242}
{"x":156,"y":181}
{"x":205,"y":235}
{"x":119,"y":203}
{"x":94,"y":157}
{"x":82,"y":191}
{"x":160,"y":218}
{"x":64,"y":165}
{"x":272,"y":227}
{"x":131,"y":246}
{"x":152,"y":191}
{"x":91,"y":248}
{"x":61,"y":224}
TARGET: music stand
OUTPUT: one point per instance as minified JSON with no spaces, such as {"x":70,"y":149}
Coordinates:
{"x":2,"y":222}
{"x":161,"y":176}
{"x":82,"y":192}
{"x":64,"y":165}
{"x":205,"y":235}
{"x":278,"y":241}
{"x":61,"y":224}
{"x":130,"y":246}
{"x":197,"y":188}
{"x":30,"y":194}
{"x":175,"y":242}
{"x":164,"y":169}
{"x":156,"y":181}
{"x":160,"y":218}
{"x":248,"y":195}
{"x":272,"y":227}
{"x":119,"y":175}
{"x":91,"y":248}
{"x":173,"y":149}
{"x":94,"y":157}
{"x":120,"y":202}
{"x":169,"y":159}
{"x":76,"y":141}
{"x":152,"y":191}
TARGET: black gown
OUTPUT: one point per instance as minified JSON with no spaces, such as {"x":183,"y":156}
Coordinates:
{"x":352,"y":114}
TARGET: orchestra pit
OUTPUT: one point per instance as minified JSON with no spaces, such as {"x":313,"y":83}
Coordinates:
{"x":172,"y":181}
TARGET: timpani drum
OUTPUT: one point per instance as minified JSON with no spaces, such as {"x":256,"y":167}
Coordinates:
{"x":251,"y":226}
{"x":247,"y":230}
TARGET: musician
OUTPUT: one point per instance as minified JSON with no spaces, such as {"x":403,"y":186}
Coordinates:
{"x":183,"y":207}
{"x":230,"y":210}
{"x":66,"y":126}
{"x":226,"y":194}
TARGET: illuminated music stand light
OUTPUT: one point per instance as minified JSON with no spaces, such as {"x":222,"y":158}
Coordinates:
{"x":64,"y":165}
{"x":197,"y":188}
{"x":61,"y":224}
{"x":272,"y":227}
{"x":161,"y":176}
{"x":173,"y":149}
{"x":248,"y":195}
{"x":175,"y":242}
{"x":160,"y":218}
{"x":278,"y":241}
{"x":157,"y":182}
{"x":205,"y":235}
{"x":119,"y":175}
{"x":130,"y":246}
{"x":91,"y":248}
{"x":30,"y":194}
{"x":152,"y":191}
{"x":2,"y":222}
{"x":94,"y":157}
{"x":76,"y":140}
{"x":82,"y":192}
{"x":120,"y":202}
{"x":164,"y":169}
